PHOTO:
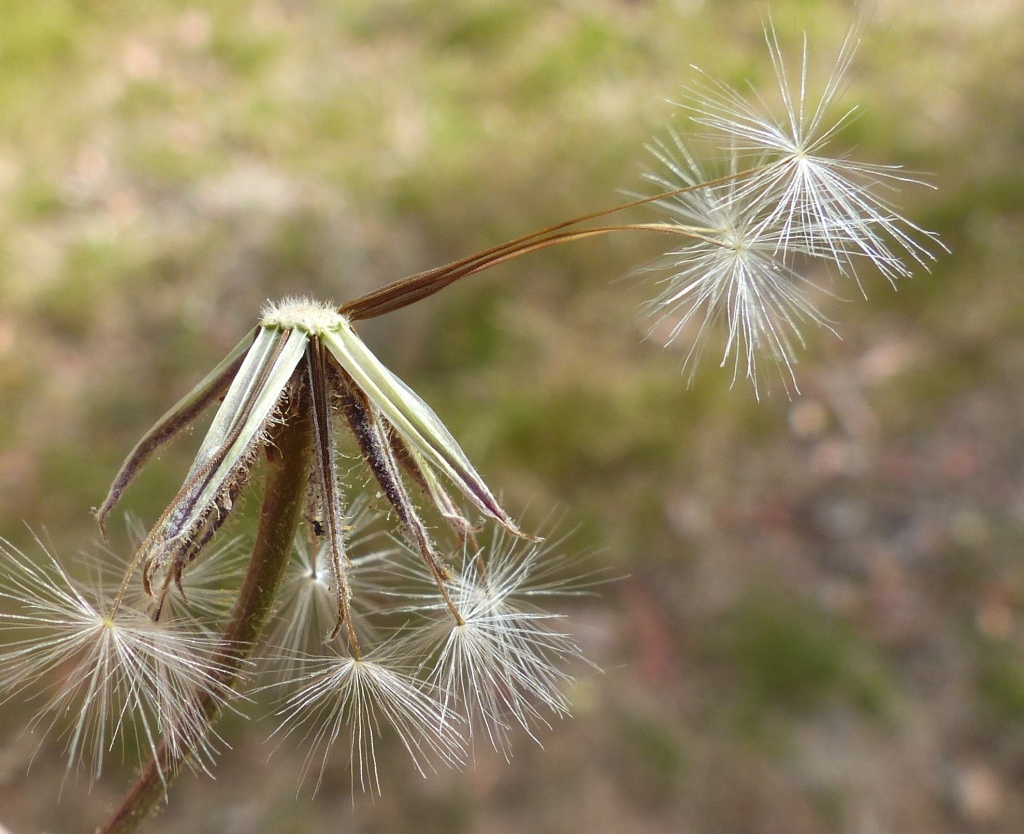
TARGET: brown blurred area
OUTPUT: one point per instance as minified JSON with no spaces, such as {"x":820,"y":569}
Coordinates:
{"x":819,"y":628}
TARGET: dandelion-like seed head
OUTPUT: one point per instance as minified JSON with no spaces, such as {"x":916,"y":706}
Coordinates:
{"x":505,"y":662}
{"x":819,"y":201}
{"x":354,"y":700}
{"x":123,"y":678}
{"x":307,"y":611}
{"x":304,"y":355}
{"x":469,"y":648}
{"x":305,"y":620}
{"x":732,"y":274}
{"x":787,"y":212}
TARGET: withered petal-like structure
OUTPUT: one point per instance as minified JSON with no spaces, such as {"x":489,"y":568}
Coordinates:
{"x":411,"y":419}
{"x":310,"y":351}
{"x":220,"y":469}
{"x":177,"y":418}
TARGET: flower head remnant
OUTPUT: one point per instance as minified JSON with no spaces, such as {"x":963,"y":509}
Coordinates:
{"x":306,"y":352}
{"x":305,"y":356}
{"x":472,"y":648}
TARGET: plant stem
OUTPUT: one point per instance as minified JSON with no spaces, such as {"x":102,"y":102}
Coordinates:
{"x":287,"y":469}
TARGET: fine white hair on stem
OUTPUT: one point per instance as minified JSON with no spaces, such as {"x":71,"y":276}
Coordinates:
{"x":358,"y":698}
{"x":734,"y":268}
{"x":122,"y":678}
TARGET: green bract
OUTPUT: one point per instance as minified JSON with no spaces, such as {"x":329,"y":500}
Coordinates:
{"x":303,"y":349}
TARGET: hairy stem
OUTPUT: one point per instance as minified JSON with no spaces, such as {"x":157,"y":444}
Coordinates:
{"x":283,"y":500}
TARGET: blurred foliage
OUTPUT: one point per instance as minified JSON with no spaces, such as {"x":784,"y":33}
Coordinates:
{"x":839,"y":574}
{"x":796,"y":658}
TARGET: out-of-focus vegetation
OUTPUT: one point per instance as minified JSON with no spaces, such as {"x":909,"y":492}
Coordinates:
{"x":822,"y":626}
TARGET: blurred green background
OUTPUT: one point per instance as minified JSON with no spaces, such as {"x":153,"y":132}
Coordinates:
{"x":820,"y":629}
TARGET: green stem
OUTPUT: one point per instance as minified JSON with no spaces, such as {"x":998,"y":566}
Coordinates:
{"x":289,"y":456}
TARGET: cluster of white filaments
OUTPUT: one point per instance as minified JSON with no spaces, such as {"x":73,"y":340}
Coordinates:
{"x":776,"y":217}
{"x":123,"y":677}
{"x":433,"y":683}
{"x":436,"y":681}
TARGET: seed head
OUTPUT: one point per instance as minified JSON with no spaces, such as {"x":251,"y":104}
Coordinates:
{"x":506,"y":662}
{"x":737,"y":272}
{"x":358,"y":698}
{"x":121,"y":677}
{"x":787,"y":212}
